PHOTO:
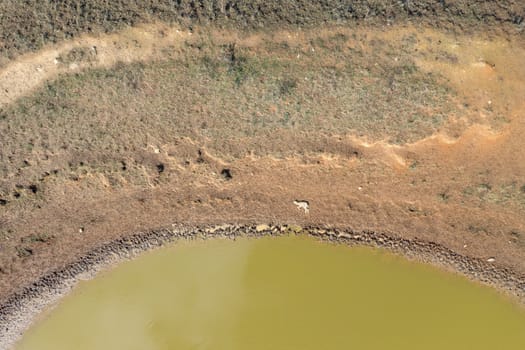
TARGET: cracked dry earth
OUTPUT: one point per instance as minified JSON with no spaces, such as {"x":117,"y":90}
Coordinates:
{"x":325,"y":147}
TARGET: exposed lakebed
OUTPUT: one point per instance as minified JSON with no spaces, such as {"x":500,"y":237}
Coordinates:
{"x":277,"y":293}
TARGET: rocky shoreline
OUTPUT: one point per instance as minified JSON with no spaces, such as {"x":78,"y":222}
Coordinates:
{"x":18,"y":312}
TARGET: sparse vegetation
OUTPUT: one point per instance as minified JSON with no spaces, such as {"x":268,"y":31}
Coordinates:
{"x":88,"y":122}
{"x":444,"y":196}
{"x":500,"y":194}
{"x":477,"y":229}
{"x":37,"y":238}
{"x":24,"y":252}
{"x":77,"y":55}
{"x":518,"y":237}
{"x":29,"y":25}
{"x":287,"y":86}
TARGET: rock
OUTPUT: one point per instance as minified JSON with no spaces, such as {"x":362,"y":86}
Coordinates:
{"x":217,"y":228}
{"x":262,"y":228}
{"x":344,"y":235}
{"x":295,"y":228}
{"x":491,"y":260}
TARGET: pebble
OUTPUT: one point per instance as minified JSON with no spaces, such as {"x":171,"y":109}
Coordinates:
{"x":295,"y":228}
{"x":217,"y":228}
{"x":262,"y":228}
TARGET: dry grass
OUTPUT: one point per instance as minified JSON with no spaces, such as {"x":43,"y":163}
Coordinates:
{"x":28,"y":25}
{"x":229,"y":98}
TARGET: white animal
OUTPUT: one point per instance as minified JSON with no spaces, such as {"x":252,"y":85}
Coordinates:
{"x":304,"y":205}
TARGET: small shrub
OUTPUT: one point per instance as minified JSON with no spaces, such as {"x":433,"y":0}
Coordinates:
{"x":444,"y":196}
{"x":37,"y":238}
{"x":287,"y":86}
{"x":24,"y":252}
{"x":78,"y":54}
{"x":484,"y":188}
{"x":211,"y":66}
{"x":241,"y":67}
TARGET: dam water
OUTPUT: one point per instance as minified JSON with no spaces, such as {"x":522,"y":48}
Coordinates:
{"x":277,"y":293}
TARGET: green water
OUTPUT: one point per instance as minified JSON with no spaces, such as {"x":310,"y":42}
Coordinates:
{"x":278,"y":293}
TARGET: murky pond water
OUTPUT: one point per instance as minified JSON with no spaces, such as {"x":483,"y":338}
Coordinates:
{"x":278,"y":293}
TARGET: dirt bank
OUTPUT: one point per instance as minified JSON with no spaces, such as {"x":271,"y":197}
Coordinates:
{"x":420,"y":137}
{"x":406,"y":130}
{"x":17,"y":313}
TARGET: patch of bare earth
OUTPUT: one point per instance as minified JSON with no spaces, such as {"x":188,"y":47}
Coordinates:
{"x":401,"y":130}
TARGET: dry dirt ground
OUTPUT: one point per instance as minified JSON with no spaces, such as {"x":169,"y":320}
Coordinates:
{"x":400,"y":129}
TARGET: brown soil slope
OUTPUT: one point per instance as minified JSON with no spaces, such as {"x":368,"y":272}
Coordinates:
{"x":404,"y":129}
